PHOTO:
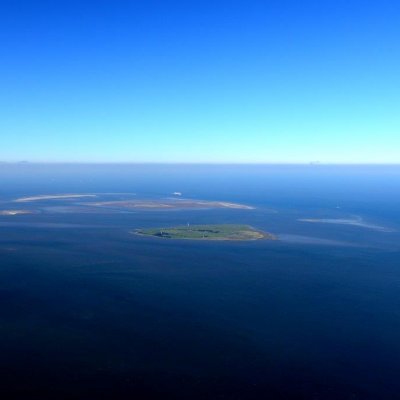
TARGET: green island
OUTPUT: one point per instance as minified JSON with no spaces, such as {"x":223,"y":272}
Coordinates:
{"x":207,"y":232}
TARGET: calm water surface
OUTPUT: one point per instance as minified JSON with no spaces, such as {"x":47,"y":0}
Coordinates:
{"x":88,"y":310}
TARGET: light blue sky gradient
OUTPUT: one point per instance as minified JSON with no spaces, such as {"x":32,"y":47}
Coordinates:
{"x":200,"y":81}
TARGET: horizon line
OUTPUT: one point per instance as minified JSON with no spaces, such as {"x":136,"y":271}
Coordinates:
{"x":311,"y":163}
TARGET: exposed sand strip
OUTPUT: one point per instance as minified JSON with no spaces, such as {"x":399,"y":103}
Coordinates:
{"x":52,"y":197}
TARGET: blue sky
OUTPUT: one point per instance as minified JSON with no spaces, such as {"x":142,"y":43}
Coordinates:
{"x":200,"y":81}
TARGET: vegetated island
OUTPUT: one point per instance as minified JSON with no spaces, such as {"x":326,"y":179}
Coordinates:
{"x":207,"y":232}
{"x":16,"y":212}
{"x":168,"y":204}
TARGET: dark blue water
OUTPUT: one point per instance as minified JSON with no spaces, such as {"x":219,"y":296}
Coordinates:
{"x":88,"y":310}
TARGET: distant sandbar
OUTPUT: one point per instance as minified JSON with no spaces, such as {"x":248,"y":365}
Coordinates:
{"x":168,"y":204}
{"x":52,"y":197}
{"x":357,"y":222}
{"x":16,"y":212}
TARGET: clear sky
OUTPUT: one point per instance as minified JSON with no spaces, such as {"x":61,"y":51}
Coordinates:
{"x":200,"y":81}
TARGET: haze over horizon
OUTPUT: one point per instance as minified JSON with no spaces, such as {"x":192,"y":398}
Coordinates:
{"x":205,"y":82}
{"x":202,"y":163}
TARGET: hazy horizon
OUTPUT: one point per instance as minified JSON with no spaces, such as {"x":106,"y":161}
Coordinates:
{"x":222,"y":163}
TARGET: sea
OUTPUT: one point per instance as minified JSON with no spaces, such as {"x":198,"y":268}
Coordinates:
{"x":89,"y":310}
